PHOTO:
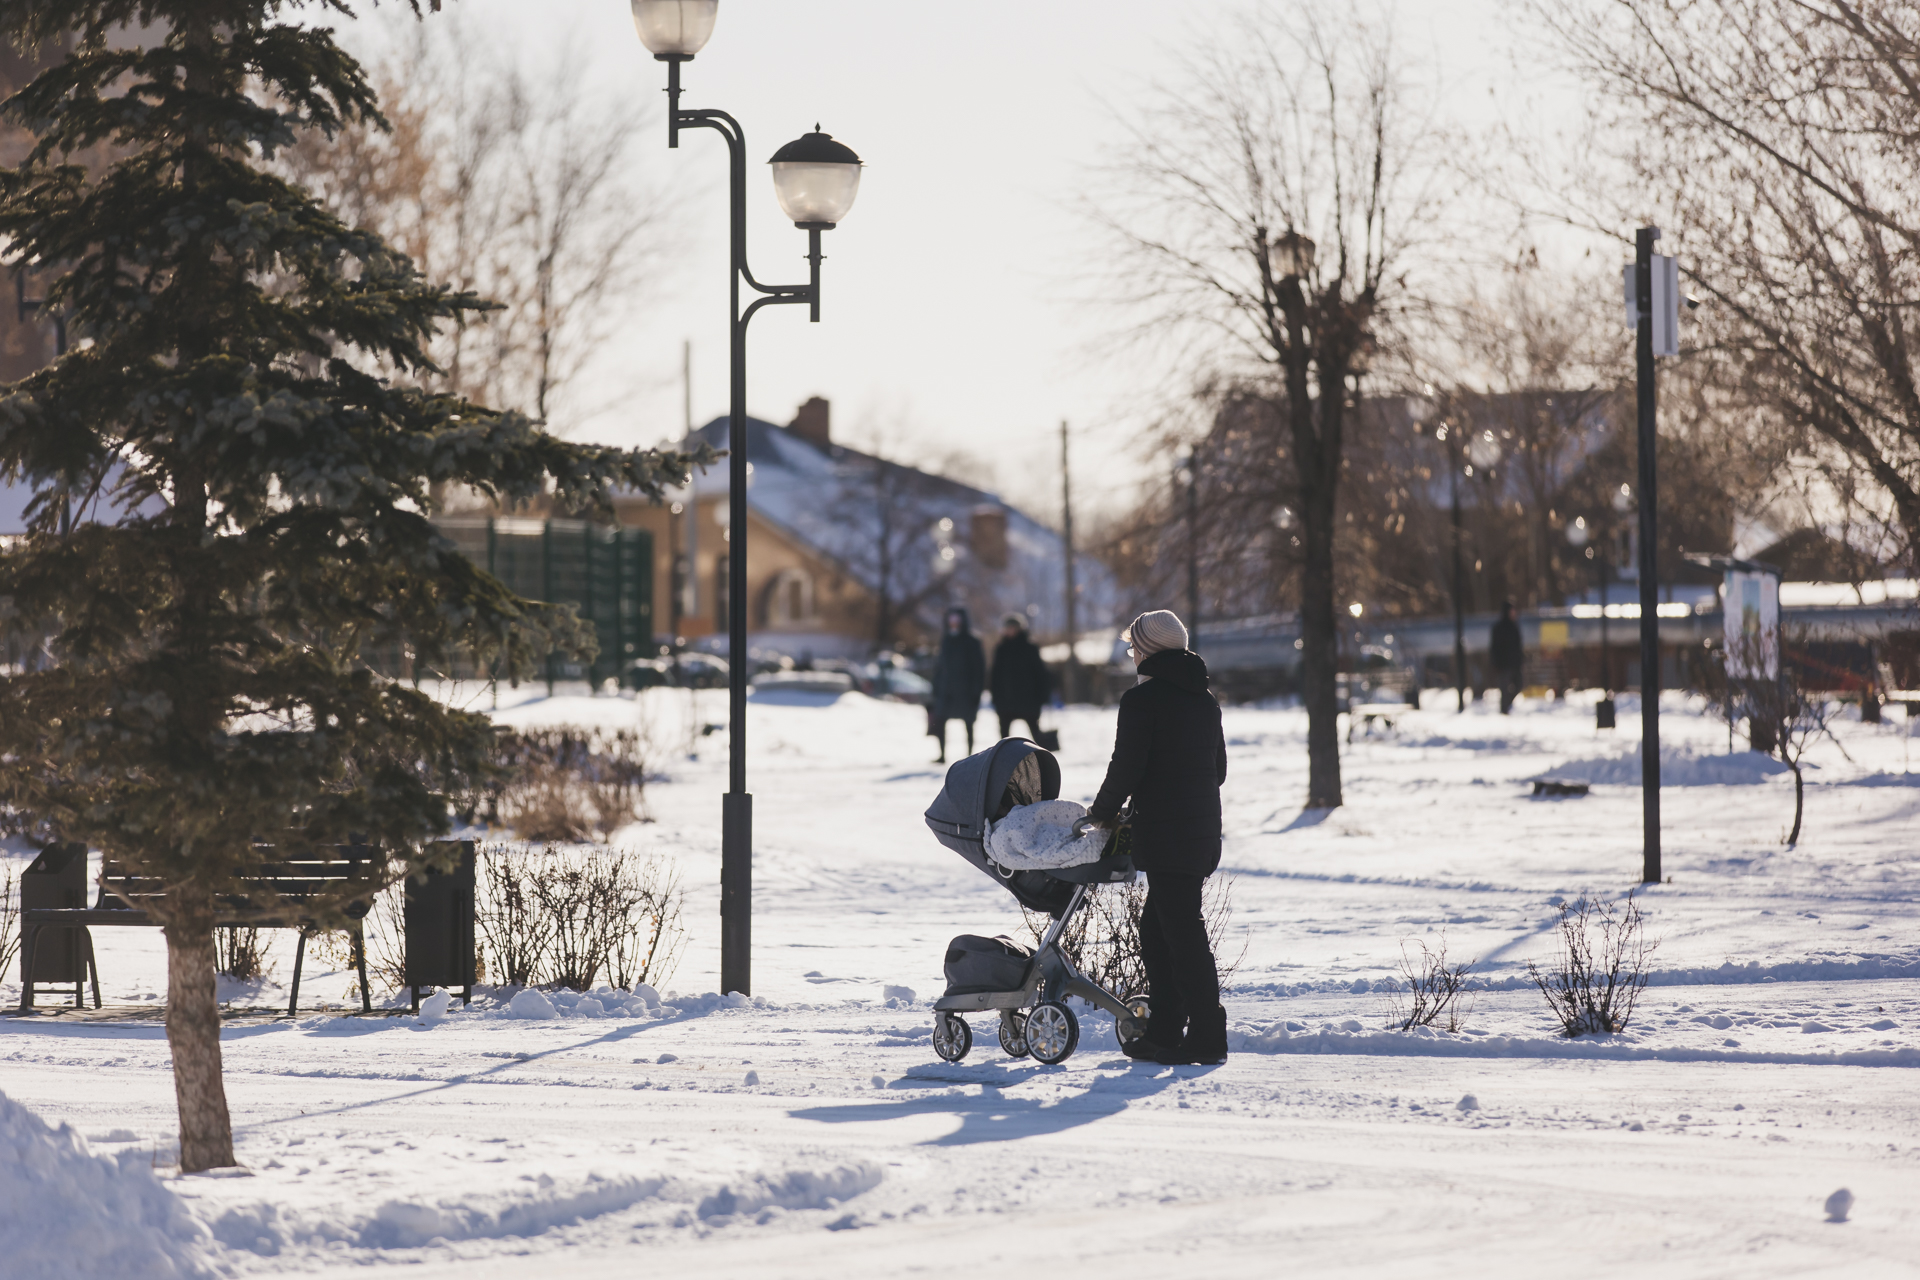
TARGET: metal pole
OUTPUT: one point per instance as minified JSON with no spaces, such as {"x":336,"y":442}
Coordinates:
{"x":1649,"y":562}
{"x":1193,"y":548}
{"x":1459,"y":618}
{"x":1072,"y":691}
{"x":736,"y":813}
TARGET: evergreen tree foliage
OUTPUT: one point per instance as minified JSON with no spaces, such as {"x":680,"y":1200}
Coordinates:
{"x":235,"y":475}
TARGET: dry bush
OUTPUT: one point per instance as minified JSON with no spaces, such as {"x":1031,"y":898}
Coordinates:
{"x":1103,"y":939}
{"x":383,"y":932}
{"x":9,"y":917}
{"x":1429,"y":989}
{"x":240,"y":954}
{"x":1593,"y":993}
{"x":569,"y":784}
{"x":568,"y":917}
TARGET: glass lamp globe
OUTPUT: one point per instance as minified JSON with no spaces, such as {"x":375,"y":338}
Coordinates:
{"x":1483,"y":451}
{"x":815,"y":179}
{"x":1578,"y":533}
{"x":674,"y":28}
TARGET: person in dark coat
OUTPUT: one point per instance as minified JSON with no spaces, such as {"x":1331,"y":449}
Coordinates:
{"x":1019,"y":682}
{"x":1509,"y":658}
{"x":1170,"y":757}
{"x":958,"y":679}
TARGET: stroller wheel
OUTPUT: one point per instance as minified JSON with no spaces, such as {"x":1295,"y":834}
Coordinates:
{"x":1053,"y":1033}
{"x":1013,"y":1033}
{"x":952,"y":1037}
{"x":1131,"y":1027}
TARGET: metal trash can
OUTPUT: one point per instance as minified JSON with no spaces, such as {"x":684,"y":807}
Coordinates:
{"x":439,"y":918}
{"x":59,"y":954}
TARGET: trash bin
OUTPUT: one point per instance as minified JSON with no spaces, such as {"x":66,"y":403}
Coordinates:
{"x":60,"y":954}
{"x":439,"y":925}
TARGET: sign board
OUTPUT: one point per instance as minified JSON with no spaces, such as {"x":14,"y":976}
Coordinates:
{"x":1553,"y":637}
{"x":1666,"y":303}
{"x":1751,"y":613}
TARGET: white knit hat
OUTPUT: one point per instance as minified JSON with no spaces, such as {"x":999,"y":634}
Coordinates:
{"x":1156,"y":630}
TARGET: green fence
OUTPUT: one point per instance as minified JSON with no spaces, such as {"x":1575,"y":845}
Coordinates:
{"x":603,"y":571}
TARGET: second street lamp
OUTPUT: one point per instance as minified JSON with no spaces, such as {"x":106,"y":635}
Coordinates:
{"x":815,"y":180}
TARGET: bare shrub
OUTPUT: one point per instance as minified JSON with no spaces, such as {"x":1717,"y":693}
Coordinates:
{"x":383,"y":932}
{"x":1593,"y":991}
{"x":515,"y":931}
{"x":9,"y":917}
{"x":569,"y":784}
{"x":1429,"y":989}
{"x":1103,"y":939}
{"x":567,"y":917}
{"x":240,"y":954}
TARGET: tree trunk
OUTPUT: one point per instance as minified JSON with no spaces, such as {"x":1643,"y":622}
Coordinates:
{"x":193,"y":1033}
{"x":1319,"y":650}
{"x":1799,"y":802}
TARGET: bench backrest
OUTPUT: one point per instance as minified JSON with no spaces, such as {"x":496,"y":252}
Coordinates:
{"x":322,"y":872}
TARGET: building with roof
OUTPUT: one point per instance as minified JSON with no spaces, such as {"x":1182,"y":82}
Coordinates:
{"x":849,"y":553}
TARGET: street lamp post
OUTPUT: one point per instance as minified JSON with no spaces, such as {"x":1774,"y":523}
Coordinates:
{"x":815,"y":180}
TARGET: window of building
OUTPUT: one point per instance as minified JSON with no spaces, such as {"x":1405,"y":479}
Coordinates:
{"x":790,"y":600}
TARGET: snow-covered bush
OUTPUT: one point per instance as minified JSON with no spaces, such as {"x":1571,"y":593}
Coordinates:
{"x":1593,"y":987}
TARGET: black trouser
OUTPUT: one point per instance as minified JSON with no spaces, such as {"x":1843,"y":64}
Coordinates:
{"x":1509,"y":690}
{"x":967,"y":721}
{"x":1174,"y":949}
{"x":1009,"y":718}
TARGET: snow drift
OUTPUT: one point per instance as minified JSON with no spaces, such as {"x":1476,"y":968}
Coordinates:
{"x":1679,"y":767}
{"x":67,"y":1214}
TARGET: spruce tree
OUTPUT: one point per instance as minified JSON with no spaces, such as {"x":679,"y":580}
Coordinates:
{"x":235,"y":474}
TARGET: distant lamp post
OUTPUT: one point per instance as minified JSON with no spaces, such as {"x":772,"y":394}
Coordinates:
{"x":1293,"y":256}
{"x":1580,"y":535}
{"x":815,"y":179}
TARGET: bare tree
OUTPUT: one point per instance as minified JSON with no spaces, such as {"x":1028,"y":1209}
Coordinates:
{"x":887,"y":517}
{"x":1781,"y":138}
{"x":1265,"y":211}
{"x":509,"y":182}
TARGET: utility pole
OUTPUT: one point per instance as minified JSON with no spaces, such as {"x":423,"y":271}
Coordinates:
{"x":1071,"y":693}
{"x":1459,"y":617}
{"x":1643,"y":289}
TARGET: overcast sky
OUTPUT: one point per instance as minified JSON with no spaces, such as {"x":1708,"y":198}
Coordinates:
{"x":949,"y":320}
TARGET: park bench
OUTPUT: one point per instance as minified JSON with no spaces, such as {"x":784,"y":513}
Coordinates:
{"x":297,"y":880}
{"x":1365,"y":713}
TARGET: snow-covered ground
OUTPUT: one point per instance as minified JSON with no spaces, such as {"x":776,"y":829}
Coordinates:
{"x":812,"y":1131}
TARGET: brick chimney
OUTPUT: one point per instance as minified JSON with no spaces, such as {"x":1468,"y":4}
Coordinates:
{"x":987,"y":535}
{"x":810,"y":423}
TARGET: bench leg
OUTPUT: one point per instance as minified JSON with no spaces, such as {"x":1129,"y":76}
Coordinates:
{"x":360,"y":962}
{"x":299,"y":955}
{"x":466,"y":994}
{"x":416,"y":998}
{"x":93,"y":969}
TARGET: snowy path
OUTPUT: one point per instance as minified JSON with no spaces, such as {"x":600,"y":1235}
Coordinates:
{"x":1773,"y":1062}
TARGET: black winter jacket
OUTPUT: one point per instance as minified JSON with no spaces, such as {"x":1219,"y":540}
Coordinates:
{"x":1019,"y":682}
{"x":1171,"y":757}
{"x":1504,"y":647}
{"x":960,"y":674}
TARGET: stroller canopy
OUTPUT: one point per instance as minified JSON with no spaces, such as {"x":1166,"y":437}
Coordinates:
{"x":985,"y":786}
{"x":1011,"y":772}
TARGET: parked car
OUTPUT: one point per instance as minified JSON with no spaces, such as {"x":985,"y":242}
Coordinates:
{"x":702,"y":671}
{"x":829,"y":682}
{"x":648,"y":673}
{"x":890,"y":677}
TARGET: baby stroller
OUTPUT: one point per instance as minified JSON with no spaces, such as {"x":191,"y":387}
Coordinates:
{"x":1028,"y":987}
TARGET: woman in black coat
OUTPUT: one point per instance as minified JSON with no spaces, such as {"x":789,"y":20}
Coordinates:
{"x":958,"y":679}
{"x":1019,"y":682}
{"x":1170,"y":756}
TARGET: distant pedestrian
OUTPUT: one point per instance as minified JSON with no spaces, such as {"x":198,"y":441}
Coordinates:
{"x":1019,"y":682}
{"x":959,"y":677}
{"x":1508,"y":656}
{"x":1170,"y":757}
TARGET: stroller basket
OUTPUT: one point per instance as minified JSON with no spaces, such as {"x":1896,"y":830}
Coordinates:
{"x":1034,"y":1019}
